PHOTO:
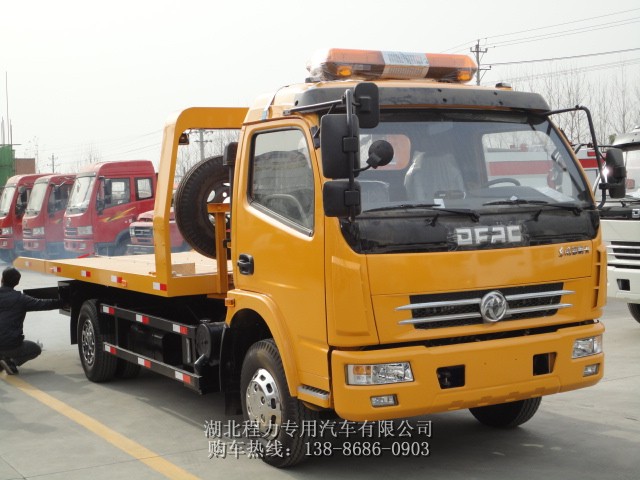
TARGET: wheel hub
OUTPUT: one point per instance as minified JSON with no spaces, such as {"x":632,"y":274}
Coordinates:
{"x":88,"y":343}
{"x":264,"y":405}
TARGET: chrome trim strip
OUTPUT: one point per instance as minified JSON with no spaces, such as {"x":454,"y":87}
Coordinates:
{"x":439,"y":318}
{"x":525,"y":296}
{"x":538,"y":308}
{"x":416,"y":306}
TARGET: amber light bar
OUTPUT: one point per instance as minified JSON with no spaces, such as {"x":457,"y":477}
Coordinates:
{"x":337,"y":63}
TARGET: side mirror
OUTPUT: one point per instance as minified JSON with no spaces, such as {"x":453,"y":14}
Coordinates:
{"x":340,"y":199}
{"x":380,"y":154}
{"x":367,"y":101}
{"x":107,"y":187}
{"x":337,"y":143}
{"x":616,"y":173}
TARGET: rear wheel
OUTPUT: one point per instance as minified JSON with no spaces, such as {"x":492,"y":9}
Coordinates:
{"x":267,"y":404}
{"x":507,"y":415}
{"x":634,"y":308}
{"x":98,"y":365}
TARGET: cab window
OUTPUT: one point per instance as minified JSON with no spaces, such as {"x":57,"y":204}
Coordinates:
{"x":282,"y":177}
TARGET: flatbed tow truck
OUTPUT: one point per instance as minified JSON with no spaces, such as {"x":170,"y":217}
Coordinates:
{"x":400,"y":243}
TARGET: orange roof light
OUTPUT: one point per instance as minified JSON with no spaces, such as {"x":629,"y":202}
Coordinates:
{"x":337,"y":63}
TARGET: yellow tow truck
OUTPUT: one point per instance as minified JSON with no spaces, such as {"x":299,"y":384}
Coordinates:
{"x":384,"y":240}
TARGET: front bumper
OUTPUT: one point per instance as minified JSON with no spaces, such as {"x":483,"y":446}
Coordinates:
{"x":623,"y":284}
{"x":7,"y":243}
{"x":495,"y":371}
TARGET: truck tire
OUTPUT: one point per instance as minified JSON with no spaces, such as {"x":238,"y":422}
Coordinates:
{"x":634,"y":309}
{"x":266,"y":401}
{"x":507,"y":415}
{"x":122,"y":246}
{"x":98,"y":365}
{"x":206,"y":182}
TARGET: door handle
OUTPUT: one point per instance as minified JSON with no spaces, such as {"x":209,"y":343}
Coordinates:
{"x":245,"y":264}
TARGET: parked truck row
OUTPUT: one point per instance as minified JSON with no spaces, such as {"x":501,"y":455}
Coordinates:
{"x":70,"y":215}
{"x":393,"y":241}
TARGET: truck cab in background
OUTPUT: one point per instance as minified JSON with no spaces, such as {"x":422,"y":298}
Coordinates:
{"x":620,"y":219}
{"x":42,"y":227}
{"x":13,"y":204}
{"x":105,"y":198}
{"x":141,"y":233}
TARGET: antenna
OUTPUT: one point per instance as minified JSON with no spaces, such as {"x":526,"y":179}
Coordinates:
{"x":6,"y":90}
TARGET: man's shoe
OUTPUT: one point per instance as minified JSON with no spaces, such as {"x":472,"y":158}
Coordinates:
{"x":8,"y":366}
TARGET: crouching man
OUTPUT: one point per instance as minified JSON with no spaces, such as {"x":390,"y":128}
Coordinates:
{"x":14,"y":305}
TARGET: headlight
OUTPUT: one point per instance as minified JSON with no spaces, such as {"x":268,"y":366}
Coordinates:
{"x":38,"y":231}
{"x":7,"y":231}
{"x":379,"y":374}
{"x":584,"y":347}
{"x":132,"y":232}
{"x":88,"y":230}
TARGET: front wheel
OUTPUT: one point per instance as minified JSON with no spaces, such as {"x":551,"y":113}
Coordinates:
{"x":267,"y":405}
{"x":507,"y":415}
{"x":634,"y":308}
{"x":98,"y":365}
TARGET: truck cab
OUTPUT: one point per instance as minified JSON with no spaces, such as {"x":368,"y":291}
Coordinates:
{"x":13,"y":204}
{"x":105,"y":198}
{"x":621,"y":229}
{"x":42,"y":225}
{"x":141,"y":233}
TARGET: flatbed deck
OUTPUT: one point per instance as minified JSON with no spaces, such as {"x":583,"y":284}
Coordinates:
{"x":191,"y":273}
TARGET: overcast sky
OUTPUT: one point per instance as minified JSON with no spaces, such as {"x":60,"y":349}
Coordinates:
{"x":102,"y":77}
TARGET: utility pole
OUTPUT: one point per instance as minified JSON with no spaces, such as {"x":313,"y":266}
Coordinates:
{"x":53,"y":163}
{"x":478,"y":51}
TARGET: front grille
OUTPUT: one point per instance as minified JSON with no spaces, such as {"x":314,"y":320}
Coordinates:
{"x":457,"y":309}
{"x":71,"y":232}
{"x":27,"y":232}
{"x":139,"y":232}
{"x":625,"y":251}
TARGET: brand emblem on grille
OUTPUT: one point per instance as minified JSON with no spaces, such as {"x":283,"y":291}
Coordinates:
{"x":493,"y":307}
{"x":570,"y":251}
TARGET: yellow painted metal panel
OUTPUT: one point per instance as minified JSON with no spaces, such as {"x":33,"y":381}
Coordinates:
{"x":487,"y":381}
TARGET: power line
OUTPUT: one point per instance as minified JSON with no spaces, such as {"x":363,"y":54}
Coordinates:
{"x":565,"y":58}
{"x":599,"y":17}
{"x":573,"y":71}
{"x":548,"y":36}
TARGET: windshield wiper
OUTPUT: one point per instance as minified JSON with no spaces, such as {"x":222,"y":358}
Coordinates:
{"x":520,"y":201}
{"x":472,"y":214}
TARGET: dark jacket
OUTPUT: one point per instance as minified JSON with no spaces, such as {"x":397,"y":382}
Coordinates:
{"x":14,"y":306}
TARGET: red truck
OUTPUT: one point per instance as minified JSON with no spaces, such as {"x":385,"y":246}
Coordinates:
{"x":105,"y":198}
{"x":42,"y":227}
{"x":141,"y":233}
{"x":13,"y":204}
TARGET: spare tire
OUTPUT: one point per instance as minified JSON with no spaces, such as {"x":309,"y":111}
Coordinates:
{"x":206,"y":182}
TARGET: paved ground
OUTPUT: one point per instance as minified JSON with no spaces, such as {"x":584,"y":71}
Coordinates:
{"x":54,"y":424}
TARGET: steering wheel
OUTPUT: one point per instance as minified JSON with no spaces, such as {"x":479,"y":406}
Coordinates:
{"x":285,"y":204}
{"x":495,"y":181}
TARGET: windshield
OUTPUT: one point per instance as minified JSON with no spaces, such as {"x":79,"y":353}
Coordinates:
{"x":457,"y":168}
{"x":6,"y":199}
{"x":81,"y":194}
{"x":37,"y":198}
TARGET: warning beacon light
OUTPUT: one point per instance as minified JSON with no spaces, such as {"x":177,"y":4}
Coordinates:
{"x":344,"y":64}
